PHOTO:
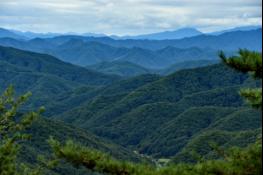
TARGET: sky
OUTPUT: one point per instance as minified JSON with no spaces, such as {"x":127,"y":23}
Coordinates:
{"x":127,"y":17}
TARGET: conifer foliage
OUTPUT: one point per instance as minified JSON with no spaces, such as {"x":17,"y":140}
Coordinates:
{"x":236,"y":161}
{"x":247,"y":62}
{"x":12,"y":125}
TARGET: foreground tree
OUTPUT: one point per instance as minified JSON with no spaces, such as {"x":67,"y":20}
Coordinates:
{"x":12,"y":125}
{"x":247,"y":62}
{"x":236,"y":161}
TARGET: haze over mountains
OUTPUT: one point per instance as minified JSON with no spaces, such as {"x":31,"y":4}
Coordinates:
{"x":176,"y":34}
{"x":151,"y":54}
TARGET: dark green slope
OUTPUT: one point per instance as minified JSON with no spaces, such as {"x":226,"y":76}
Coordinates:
{"x":55,"y":93}
{"x":67,"y":100}
{"x":153,"y":115}
{"x":131,"y":128}
{"x":45,"y":87}
{"x":187,"y":65}
{"x":175,"y":134}
{"x":189,"y":125}
{"x":169,"y":89}
{"x":43,"y":128}
{"x":243,"y":119}
{"x":57,"y":85}
{"x":106,"y":98}
{"x":223,"y":97}
{"x":121,"y":68}
{"x":145,"y":117}
{"x":43,"y":63}
{"x":203,"y":143}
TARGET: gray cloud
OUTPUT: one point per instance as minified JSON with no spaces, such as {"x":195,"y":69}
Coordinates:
{"x":127,"y":16}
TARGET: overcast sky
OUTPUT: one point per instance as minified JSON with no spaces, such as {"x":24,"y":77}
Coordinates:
{"x":127,"y":16}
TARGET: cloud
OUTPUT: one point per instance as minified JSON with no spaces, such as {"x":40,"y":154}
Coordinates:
{"x":127,"y":16}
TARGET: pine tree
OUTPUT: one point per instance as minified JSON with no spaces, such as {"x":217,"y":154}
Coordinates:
{"x":247,"y":62}
{"x":12,"y":125}
{"x":236,"y":161}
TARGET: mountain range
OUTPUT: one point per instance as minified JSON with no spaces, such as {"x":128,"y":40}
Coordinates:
{"x":177,"y":34}
{"x":151,"y":54}
{"x":158,"y":116}
{"x":243,"y":28}
{"x":166,"y":35}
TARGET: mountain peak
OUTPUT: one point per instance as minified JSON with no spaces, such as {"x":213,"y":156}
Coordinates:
{"x":188,"y":29}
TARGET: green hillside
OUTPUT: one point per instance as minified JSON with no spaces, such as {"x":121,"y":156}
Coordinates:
{"x":25,"y":80}
{"x":187,"y":65}
{"x":55,"y":84}
{"x":47,"y":64}
{"x":42,"y":129}
{"x":121,"y":68}
{"x":176,"y":134}
{"x":202,"y":145}
{"x":129,"y":69}
{"x":147,"y":117}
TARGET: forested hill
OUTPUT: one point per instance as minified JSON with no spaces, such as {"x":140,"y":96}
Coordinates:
{"x":171,"y":112}
{"x":46,"y":64}
{"x":51,"y":81}
{"x":121,"y":68}
{"x":43,"y":129}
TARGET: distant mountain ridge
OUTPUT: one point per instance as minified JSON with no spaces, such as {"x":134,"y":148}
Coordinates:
{"x":128,"y":69}
{"x":228,"y":41}
{"x":242,"y":28}
{"x":151,"y":54}
{"x":147,"y":53}
{"x":4,"y":33}
{"x":82,"y":52}
{"x":121,"y":68}
{"x":167,"y":35}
